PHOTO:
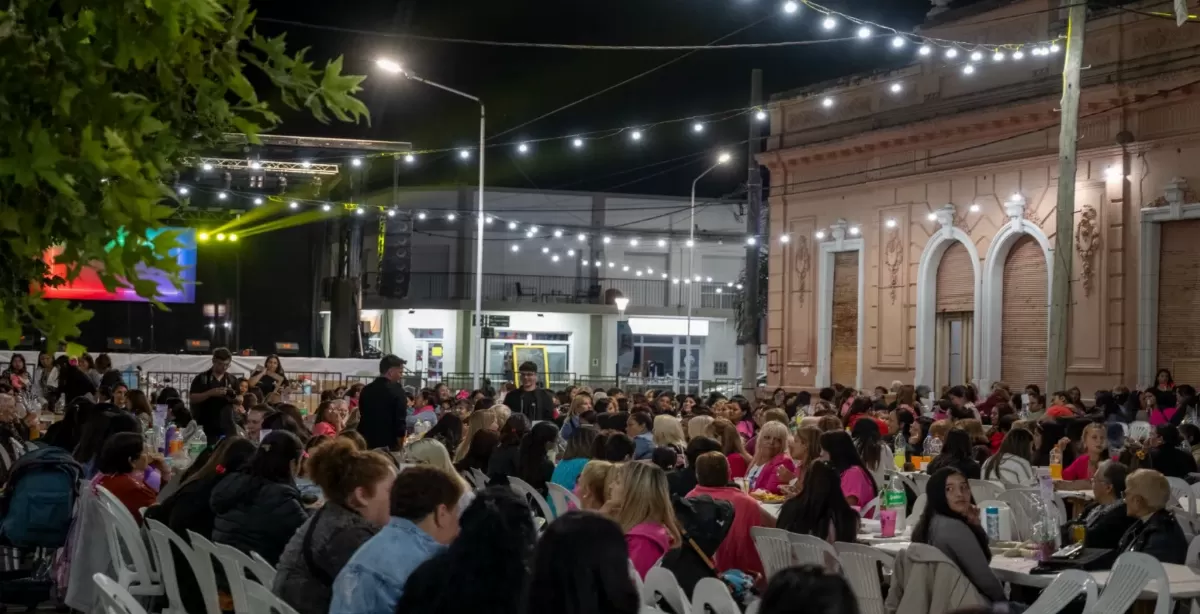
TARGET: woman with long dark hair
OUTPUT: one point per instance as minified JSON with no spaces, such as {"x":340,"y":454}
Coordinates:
{"x":270,"y":376}
{"x":956,"y":452}
{"x":1163,"y":389}
{"x":17,"y":374}
{"x":504,"y":460}
{"x":875,"y":454}
{"x":448,"y":430}
{"x":821,"y":508}
{"x":66,"y":432}
{"x":742,"y":416}
{"x":581,"y":566}
{"x":1187,"y":406}
{"x":809,"y":589}
{"x":1011,"y":465}
{"x":950,"y":523}
{"x":96,"y":431}
{"x":479,"y":452}
{"x":857,"y":484}
{"x":258,"y":509}
{"x":575,"y":457}
{"x":1047,"y":434}
{"x":533,"y":464}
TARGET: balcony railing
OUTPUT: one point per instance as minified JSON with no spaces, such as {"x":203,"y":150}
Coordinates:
{"x":562,"y":290}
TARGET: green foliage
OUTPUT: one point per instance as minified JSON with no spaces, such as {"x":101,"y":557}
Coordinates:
{"x":100,"y":103}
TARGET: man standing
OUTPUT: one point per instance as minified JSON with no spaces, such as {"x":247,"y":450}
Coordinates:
{"x":212,"y":397}
{"x":383,"y":407}
{"x":536,"y":403}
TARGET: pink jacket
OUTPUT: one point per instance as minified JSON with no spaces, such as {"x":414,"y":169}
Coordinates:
{"x":767,"y":480}
{"x":323,"y":428}
{"x":737,"y":550}
{"x":647,"y":542}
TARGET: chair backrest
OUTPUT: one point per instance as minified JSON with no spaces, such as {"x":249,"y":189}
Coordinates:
{"x":1181,"y":492}
{"x":860,"y":564}
{"x":712,"y":593}
{"x":202,"y":565}
{"x":521,"y":487}
{"x":162,"y":538}
{"x":1063,"y":590}
{"x":239,"y":568}
{"x":265,"y":602}
{"x":1130,"y":574}
{"x":922,"y":480}
{"x":661,"y":584}
{"x":265,"y":570}
{"x":774,"y":549}
{"x":1140,"y":430}
{"x":982,"y":490}
{"x":564,"y":500}
{"x":127,"y":550}
{"x":918,"y":509}
{"x":1193,"y":552}
{"x":812,"y":550}
{"x":115,"y":598}
{"x":870,"y":509}
{"x":477,"y":478}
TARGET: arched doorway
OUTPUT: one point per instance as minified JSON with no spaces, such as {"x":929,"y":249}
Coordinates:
{"x":954,"y":362}
{"x":1023,"y":315}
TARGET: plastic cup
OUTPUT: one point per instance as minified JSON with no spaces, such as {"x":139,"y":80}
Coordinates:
{"x":887,"y":523}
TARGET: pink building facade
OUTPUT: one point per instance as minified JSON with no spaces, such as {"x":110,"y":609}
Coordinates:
{"x":919,"y":209}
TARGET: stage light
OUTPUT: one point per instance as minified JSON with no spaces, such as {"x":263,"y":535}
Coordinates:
{"x":202,"y":236}
{"x":724,"y":157}
{"x":358,"y":211}
{"x":255,"y":165}
{"x":258,"y":200}
{"x":388,"y":65}
{"x":233,"y":237}
{"x":207,"y":166}
{"x":220,"y":236}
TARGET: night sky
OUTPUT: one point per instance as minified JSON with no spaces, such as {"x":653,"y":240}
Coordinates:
{"x":518,"y":85}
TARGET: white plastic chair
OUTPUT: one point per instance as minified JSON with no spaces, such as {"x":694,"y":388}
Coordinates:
{"x":1193,"y":554}
{"x":811,"y":550}
{"x":753,"y":607}
{"x":1180,"y":489}
{"x":712,"y":593}
{"x":114,"y":597}
{"x":860,"y":565}
{"x":564,"y":500}
{"x":239,"y":567}
{"x":774,"y":549}
{"x":1140,"y":430}
{"x":522,"y":488}
{"x":918,"y":508}
{"x":1130,"y":574}
{"x":870,"y":509}
{"x":982,"y":490}
{"x":264,"y":601}
{"x":661,"y":583}
{"x":127,"y":549}
{"x":202,"y":564}
{"x":1065,"y":588}
{"x":922,"y":481}
{"x":265,"y":570}
{"x":477,"y":478}
{"x":162,"y":538}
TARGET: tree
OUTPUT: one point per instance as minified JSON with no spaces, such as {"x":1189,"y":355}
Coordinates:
{"x":100,"y":103}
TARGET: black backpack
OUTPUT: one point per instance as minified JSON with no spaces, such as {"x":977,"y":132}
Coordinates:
{"x":704,"y":522}
{"x":39,"y":499}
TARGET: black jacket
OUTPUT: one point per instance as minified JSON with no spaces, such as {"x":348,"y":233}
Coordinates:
{"x":536,"y":404}
{"x":503,"y":463}
{"x":1160,"y":536}
{"x":256,"y":515}
{"x":383,"y":411}
{"x":1105,"y":524}
{"x":681,"y":482}
{"x":1172,"y":462}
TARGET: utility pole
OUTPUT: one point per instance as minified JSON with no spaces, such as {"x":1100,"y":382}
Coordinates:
{"x":1064,"y":249}
{"x":752,"y":312}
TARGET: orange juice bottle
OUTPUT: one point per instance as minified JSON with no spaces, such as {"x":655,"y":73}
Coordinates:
{"x":1056,"y":464}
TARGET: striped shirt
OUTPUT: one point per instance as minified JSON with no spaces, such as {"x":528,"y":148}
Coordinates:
{"x":1013,"y":471}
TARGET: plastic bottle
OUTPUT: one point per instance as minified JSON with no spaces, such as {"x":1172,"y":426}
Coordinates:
{"x":991,"y":523}
{"x":896,"y":499}
{"x":1056,"y":464}
{"x":933,"y":447}
{"x":898,"y":455}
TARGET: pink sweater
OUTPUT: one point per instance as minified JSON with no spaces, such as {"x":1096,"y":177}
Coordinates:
{"x":737,"y":550}
{"x":647,"y":542}
{"x":767,"y":480}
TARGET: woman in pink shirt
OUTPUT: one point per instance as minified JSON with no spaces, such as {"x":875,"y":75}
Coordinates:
{"x":1078,"y":475}
{"x":732,"y":446}
{"x":329,"y":419}
{"x":645,"y":514}
{"x":857,"y":486}
{"x":769,"y":456}
{"x":740,"y":414}
{"x":737,"y":550}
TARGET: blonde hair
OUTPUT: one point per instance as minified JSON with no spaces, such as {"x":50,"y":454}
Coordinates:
{"x":939,"y":429}
{"x":811,"y":436}
{"x":646,"y":499}
{"x":698,"y":426}
{"x":502,"y":413}
{"x":577,"y":403}
{"x":1151,"y":485}
{"x":668,"y":431}
{"x":974,"y":428}
{"x":431,"y":452}
{"x":811,"y":422}
{"x":770,"y":429}
{"x":595,"y":479}
{"x":479,"y":421}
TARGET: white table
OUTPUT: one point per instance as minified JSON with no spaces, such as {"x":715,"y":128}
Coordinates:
{"x":771,"y":508}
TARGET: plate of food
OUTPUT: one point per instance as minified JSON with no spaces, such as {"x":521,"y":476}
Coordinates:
{"x":767,"y":497}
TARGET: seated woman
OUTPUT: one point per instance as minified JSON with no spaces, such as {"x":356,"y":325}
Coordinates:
{"x":122,"y":469}
{"x":737,"y":550}
{"x":1169,"y":459}
{"x":957,"y":453}
{"x":1078,"y":475}
{"x":1010,"y":465}
{"x":258,"y":509}
{"x":577,"y":455}
{"x":593,"y":486}
{"x":431,"y":452}
{"x":770,"y":454}
{"x":644,"y":511}
{"x":950,"y":523}
{"x":1106,"y":519}
{"x":732,"y":445}
{"x":1155,"y":531}
{"x":858,"y":487}
{"x":581,"y":554}
{"x":357,"y":486}
{"x":820,"y":509}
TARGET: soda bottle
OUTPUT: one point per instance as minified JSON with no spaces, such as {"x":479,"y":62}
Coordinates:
{"x":1055,"y":463}
{"x":896,"y":500}
{"x":898,"y":451}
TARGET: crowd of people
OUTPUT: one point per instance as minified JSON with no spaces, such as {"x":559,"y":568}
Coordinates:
{"x":383,"y":497}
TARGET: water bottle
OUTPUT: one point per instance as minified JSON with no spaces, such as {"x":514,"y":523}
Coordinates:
{"x":991,"y":523}
{"x":1055,"y":463}
{"x":896,"y":499}
{"x":898,"y":455}
{"x":933,"y":446}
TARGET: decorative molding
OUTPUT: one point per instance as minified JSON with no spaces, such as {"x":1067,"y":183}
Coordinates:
{"x":946,"y":219}
{"x":893,"y":257}
{"x":1087,"y":243}
{"x":803,"y":266}
{"x":1014,"y":209}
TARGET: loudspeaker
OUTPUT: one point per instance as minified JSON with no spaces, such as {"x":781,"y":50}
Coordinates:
{"x":395,"y":263}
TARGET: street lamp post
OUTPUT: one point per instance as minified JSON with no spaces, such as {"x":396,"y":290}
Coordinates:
{"x":721,"y":159}
{"x":395,"y":68}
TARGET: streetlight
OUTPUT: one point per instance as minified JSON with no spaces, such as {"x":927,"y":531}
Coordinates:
{"x":391,"y":66}
{"x":722,"y":158}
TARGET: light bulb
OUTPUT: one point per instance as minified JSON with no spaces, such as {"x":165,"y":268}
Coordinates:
{"x":557,"y":233}
{"x":636,"y":135}
{"x":183,"y":190}
{"x":391,"y":213}
{"x":578,"y":143}
{"x":827,"y":102}
{"x":998,"y":56}
{"x":664,"y":275}
{"x":607,"y":240}
{"x":410,"y":158}
{"x":739,"y":286}
{"x":1018,"y":54}
{"x":674,"y":280}
{"x":662,"y":242}
{"x":529,"y":234}
{"x":451,"y":217}
{"x":545,"y":250}
{"x":356,"y":162}
{"x":697,"y":278}
{"x":625,"y":268}
{"x":583,"y":262}
{"x":464,"y":154}
{"x":931,"y":217}
{"x":969,"y":69}
{"x":691,"y":243}
{"x":864,"y":32}
{"x":925,"y":50}
{"x":697,"y":127}
{"x":708,"y":280}
{"x":854,"y":230}
{"x":258,"y":200}
{"x":791,"y":6}
{"x":897,"y":88}
{"x":951,"y":53}
{"x":751,"y":241}
{"x":207,"y":166}
{"x":820,"y":234}
{"x":649,"y":271}
{"x":554,"y":258}
{"x":293,"y":205}
{"x":222,"y":195}
{"x":421,"y":215}
{"x":730,"y":284}
{"x":326,"y":207}
{"x":523,"y":148}
{"x":890,"y":223}
{"x":570,"y":252}
{"x":829,"y":23}
{"x":306,"y":164}
{"x":976,"y":56}
{"x":898,"y":41}
{"x":633,"y":242}
{"x":1054,"y":48}
{"x":973,"y":208}
{"x":358,"y":211}
{"x":488,"y":220}
{"x":581,"y":237}
{"x":785,"y":239}
{"x":639,"y":273}
{"x":512,"y":225}
{"x":515,"y":247}
{"x":761,"y":115}
{"x":718,"y":290}
{"x":533,"y":228}
{"x":255,"y":165}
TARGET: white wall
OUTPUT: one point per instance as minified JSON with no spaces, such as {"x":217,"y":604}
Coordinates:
{"x":719,"y":345}
{"x":578,"y":326}
{"x":405,"y":345}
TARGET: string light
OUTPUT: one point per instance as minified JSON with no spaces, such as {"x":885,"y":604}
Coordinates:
{"x":662,"y":242}
{"x":463,"y":154}
{"x":554,"y":258}
{"x":820,"y":234}
{"x":1054,"y":48}
{"x":976,"y":56}
{"x":515,"y":247}
{"x":451,"y":217}
{"x":973,"y":208}
{"x":326,"y":207}
{"x":951,"y":53}
{"x":421,"y":216}
{"x":785,"y":239}
{"x":358,"y":211}
{"x":925,"y":50}
{"x":791,"y":6}
{"x":827,"y":102}
{"x":545,"y":250}
{"x":897,"y":88}
{"x":998,"y":56}
{"x":697,"y":127}
{"x":557,"y":233}
{"x":391,"y":213}
{"x":581,"y":237}
{"x":829,"y":23}
{"x":891,"y":223}
{"x":1018,"y":54}
{"x":356,"y":162}
{"x":760,"y":115}
{"x":898,"y":41}
{"x":578,"y":143}
{"x":489,"y":219}
{"x":969,"y":69}
{"x":183,"y":190}
{"x":633,"y":242}
{"x":607,"y":240}
{"x":636,"y":135}
{"x":570,"y":252}
{"x":639,"y":273}
{"x":583,"y":262}
{"x":410,"y":158}
{"x":207,"y":166}
{"x":523,"y":148}
{"x":222,"y":195}
{"x":864,"y":32}
{"x":293,"y":205}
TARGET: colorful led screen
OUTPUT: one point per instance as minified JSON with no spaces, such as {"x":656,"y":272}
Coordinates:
{"x":87,"y":286}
